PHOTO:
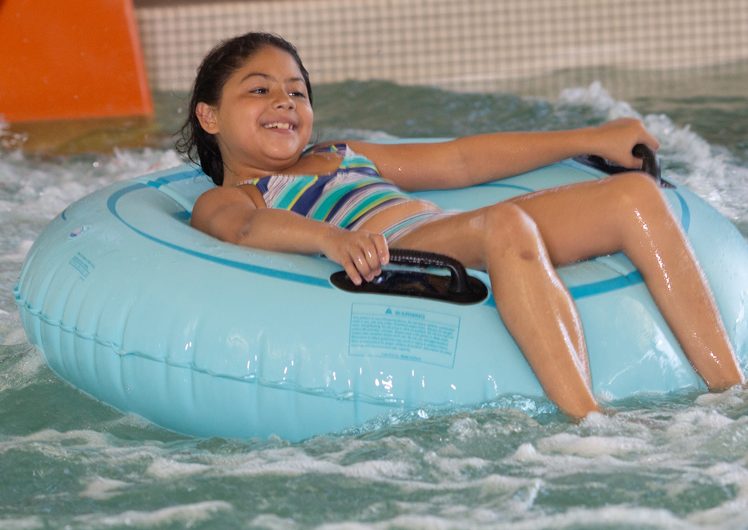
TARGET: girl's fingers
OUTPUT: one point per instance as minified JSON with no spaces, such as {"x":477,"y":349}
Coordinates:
{"x":358,"y":258}
{"x":367,"y":264}
{"x":652,"y":142}
{"x":383,"y":250}
{"x":352,"y":272}
{"x":364,"y":254}
{"x":371,"y":253}
{"x":619,"y":137}
{"x":380,"y":253}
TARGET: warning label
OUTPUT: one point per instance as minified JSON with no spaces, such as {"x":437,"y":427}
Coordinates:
{"x":81,"y":264}
{"x":402,"y":333}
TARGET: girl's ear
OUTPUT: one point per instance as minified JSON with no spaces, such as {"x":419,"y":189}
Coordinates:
{"x":206,"y":115}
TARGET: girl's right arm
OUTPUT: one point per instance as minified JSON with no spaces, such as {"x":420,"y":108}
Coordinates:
{"x":480,"y":158}
{"x":230,"y":215}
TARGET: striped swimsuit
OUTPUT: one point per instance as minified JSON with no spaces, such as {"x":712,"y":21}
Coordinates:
{"x":346,"y":198}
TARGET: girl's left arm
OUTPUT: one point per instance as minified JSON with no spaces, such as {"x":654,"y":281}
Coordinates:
{"x":485,"y":157}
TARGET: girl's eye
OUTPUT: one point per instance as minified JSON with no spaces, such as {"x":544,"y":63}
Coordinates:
{"x":297,"y":94}
{"x":259,"y":90}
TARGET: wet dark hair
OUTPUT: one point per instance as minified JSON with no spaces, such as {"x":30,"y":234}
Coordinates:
{"x":214,"y":71}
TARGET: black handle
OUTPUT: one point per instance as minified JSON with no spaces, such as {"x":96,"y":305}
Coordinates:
{"x":458,"y":275}
{"x":650,"y":164}
{"x":457,"y":287}
{"x":649,"y":160}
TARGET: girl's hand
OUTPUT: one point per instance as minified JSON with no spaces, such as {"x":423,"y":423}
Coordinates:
{"x":614,"y":141}
{"x":359,"y":252}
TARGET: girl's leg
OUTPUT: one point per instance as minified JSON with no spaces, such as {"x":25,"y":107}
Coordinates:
{"x":622,"y":213}
{"x":529,"y":295}
{"x":628,"y":213}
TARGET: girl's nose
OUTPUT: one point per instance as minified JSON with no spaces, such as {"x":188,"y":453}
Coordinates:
{"x":284,"y":101}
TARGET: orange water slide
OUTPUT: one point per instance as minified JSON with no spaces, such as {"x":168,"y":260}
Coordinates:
{"x":78,"y":59}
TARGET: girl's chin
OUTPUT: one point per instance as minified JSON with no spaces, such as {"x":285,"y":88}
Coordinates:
{"x":286,"y":154}
{"x":286,"y":147}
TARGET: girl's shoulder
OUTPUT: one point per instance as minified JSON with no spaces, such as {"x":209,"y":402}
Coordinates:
{"x":222,"y":196}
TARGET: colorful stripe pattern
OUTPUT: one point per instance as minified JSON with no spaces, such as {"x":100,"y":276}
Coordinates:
{"x":407,"y":225}
{"x":342,"y":198}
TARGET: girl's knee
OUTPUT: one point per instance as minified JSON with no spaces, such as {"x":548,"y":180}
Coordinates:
{"x":637,"y":189}
{"x":506,"y":217}
{"x":640,"y":206}
{"x":509,"y":226}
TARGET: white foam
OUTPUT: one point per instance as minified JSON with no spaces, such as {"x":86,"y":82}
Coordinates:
{"x":52,"y":438}
{"x":163,"y":468}
{"x":455,"y":469}
{"x":693,"y":424}
{"x":98,"y":447}
{"x":103,"y":488}
{"x":591,"y":446}
{"x":288,"y":462}
{"x":608,"y":516}
{"x":41,"y":188}
{"x":732,"y":511}
{"x":22,"y":370}
{"x":11,"y":330}
{"x":595,"y":96}
{"x":376,"y":470}
{"x":273,"y":522}
{"x":22,"y":523}
{"x":420,"y":521}
{"x":185,"y":514}
{"x":730,"y":398}
{"x":293,"y":462}
{"x":710,"y":171}
{"x":22,"y":248}
{"x":526,"y":452}
{"x":657,"y":439}
{"x":464,"y":428}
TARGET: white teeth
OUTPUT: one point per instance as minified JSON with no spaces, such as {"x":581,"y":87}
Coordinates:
{"x":279,"y":125}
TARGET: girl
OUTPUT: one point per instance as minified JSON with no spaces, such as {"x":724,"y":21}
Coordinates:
{"x":250,"y":120}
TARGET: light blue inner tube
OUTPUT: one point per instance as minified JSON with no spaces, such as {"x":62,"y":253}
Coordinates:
{"x":131,"y":305}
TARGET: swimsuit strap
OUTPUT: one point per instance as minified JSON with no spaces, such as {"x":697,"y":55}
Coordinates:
{"x":330,"y":148}
{"x":351,"y":161}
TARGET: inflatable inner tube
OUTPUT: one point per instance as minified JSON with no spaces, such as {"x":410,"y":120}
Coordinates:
{"x":131,"y":305}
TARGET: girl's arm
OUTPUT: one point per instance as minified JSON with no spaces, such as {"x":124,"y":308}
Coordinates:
{"x":230,"y":215}
{"x":485,"y":157}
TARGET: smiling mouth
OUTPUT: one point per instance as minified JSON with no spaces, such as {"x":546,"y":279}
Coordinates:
{"x":280,"y":125}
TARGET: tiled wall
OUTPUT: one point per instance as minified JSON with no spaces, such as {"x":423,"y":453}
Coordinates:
{"x":457,"y":44}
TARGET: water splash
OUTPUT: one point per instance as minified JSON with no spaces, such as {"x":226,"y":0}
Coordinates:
{"x":712,"y":171}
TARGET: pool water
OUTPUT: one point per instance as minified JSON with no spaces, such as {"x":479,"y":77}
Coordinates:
{"x":67,"y":461}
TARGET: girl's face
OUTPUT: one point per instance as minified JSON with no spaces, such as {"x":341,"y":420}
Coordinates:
{"x":264,"y":119}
